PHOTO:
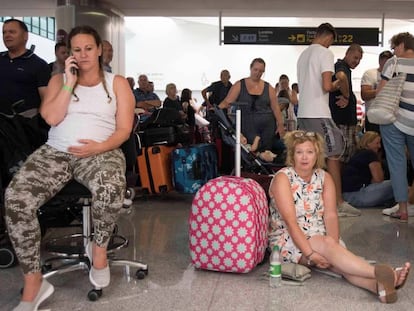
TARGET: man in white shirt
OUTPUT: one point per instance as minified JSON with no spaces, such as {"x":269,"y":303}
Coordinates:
{"x":315,"y":69}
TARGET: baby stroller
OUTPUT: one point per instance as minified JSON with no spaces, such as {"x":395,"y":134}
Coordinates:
{"x":20,"y":134}
{"x":250,"y":162}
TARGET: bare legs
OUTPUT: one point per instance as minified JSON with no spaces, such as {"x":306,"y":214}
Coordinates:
{"x":353,"y":268}
{"x":100,"y":260}
{"x":32,"y":283}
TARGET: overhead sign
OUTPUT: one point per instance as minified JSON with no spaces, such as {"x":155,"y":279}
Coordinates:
{"x":296,"y":35}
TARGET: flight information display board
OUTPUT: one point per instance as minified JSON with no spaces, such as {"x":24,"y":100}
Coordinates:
{"x":297,"y":35}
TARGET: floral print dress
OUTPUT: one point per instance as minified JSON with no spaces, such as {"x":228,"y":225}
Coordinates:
{"x":309,"y":205}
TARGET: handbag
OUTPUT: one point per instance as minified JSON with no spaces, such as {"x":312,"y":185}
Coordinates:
{"x":384,"y":108}
{"x":295,"y":272}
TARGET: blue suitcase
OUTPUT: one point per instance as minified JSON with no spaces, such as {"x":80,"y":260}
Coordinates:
{"x":193,"y":166}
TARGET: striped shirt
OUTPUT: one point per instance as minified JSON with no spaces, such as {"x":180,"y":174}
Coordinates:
{"x":405,"y":113}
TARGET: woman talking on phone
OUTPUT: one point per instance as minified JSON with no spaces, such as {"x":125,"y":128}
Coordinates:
{"x":91,"y":114}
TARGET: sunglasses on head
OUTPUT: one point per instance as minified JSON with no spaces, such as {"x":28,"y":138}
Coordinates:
{"x":299,"y":134}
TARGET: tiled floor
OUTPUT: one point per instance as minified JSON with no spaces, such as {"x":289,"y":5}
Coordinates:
{"x":157,"y":229}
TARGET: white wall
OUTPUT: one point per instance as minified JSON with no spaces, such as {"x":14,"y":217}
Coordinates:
{"x":186,"y":51}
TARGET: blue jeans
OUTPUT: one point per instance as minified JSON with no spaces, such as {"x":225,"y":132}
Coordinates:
{"x":372,"y":195}
{"x":394,"y":142}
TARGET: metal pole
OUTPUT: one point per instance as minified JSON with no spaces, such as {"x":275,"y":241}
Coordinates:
{"x":382,"y":29}
{"x":220,"y":41}
{"x":238,"y":151}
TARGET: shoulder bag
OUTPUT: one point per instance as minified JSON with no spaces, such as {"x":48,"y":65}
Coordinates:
{"x":384,"y":108}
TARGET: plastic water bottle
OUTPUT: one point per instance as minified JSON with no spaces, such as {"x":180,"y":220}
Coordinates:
{"x":275,"y":270}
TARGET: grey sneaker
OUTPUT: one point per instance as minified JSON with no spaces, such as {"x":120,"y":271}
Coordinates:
{"x":389,"y":211}
{"x":347,"y":210}
{"x":100,"y":278}
{"x":46,"y":289}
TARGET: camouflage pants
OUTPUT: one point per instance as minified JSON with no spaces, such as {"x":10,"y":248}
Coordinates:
{"x":42,"y":176}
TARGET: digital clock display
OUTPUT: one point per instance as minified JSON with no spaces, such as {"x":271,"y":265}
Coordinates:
{"x":248,"y":38}
{"x":345,"y":39}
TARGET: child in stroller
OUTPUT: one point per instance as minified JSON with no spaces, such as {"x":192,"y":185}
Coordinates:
{"x":265,"y":162}
{"x":266,"y":155}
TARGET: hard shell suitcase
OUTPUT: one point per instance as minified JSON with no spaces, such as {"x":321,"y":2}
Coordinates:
{"x":228,"y":222}
{"x":228,"y":225}
{"x":193,"y":166}
{"x":154,"y":165}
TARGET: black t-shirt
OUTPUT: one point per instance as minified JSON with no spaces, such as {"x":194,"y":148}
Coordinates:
{"x":218,"y":92}
{"x":172,"y":104}
{"x":356,"y":173}
{"x":20,"y":79}
{"x":347,"y":115}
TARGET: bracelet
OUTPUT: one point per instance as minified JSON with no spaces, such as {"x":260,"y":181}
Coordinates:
{"x":309,"y":258}
{"x":67,"y":88}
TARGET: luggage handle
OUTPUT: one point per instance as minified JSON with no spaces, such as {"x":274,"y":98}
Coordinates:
{"x":237,"y":152}
{"x":149,"y":171}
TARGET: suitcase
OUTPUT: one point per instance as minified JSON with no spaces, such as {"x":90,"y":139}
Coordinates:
{"x":154,"y":165}
{"x":228,"y":222}
{"x":193,"y":166}
{"x":228,"y":225}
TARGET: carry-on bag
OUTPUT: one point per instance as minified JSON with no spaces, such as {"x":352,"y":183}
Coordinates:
{"x":193,"y":166}
{"x":228,"y":222}
{"x":159,"y":136}
{"x":154,"y":165}
{"x":164,"y":127}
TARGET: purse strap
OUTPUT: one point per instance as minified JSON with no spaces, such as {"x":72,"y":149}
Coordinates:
{"x":394,"y":67}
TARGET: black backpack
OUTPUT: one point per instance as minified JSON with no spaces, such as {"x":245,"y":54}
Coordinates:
{"x":19,"y":137}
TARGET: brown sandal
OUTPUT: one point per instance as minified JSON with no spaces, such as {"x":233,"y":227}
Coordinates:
{"x":385,"y":276}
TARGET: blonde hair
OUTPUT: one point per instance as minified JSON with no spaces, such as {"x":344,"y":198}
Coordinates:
{"x":294,"y":138}
{"x":367,"y":138}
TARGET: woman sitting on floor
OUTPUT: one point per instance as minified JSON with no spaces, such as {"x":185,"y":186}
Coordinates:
{"x":363,"y":183}
{"x":305,"y":226}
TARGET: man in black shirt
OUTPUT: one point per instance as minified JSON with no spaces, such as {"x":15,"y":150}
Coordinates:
{"x":216,"y":92}
{"x":23,"y":75}
{"x":343,"y":109}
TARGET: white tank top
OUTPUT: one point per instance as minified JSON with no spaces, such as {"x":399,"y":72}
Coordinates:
{"x":92,"y":117}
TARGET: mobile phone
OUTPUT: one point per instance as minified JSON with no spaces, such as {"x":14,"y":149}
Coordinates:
{"x":74,"y":71}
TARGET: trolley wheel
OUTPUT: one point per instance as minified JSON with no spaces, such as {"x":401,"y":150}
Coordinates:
{"x":7,"y":257}
{"x":94,"y":294}
{"x":141,"y":274}
{"x":130,"y":193}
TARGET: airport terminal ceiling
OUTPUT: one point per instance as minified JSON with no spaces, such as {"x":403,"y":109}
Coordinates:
{"x":395,"y":9}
